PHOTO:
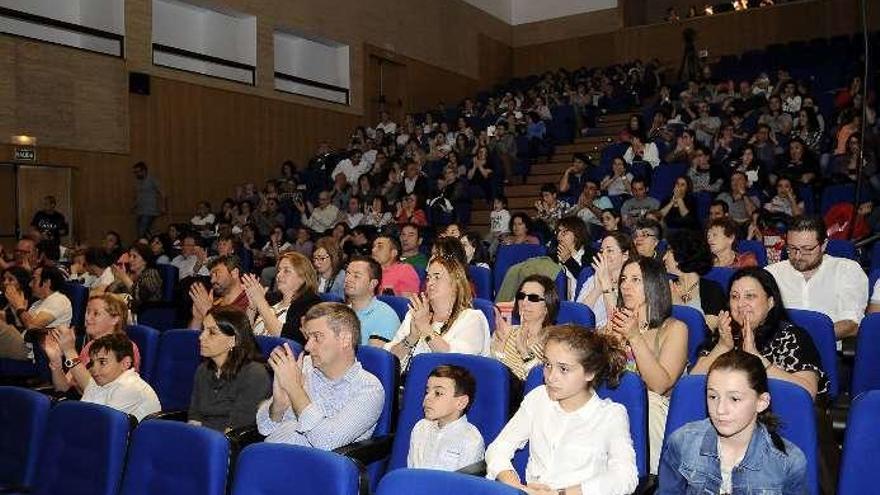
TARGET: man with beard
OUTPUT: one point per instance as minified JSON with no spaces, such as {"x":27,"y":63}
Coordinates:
{"x":226,"y":289}
{"x":811,"y":279}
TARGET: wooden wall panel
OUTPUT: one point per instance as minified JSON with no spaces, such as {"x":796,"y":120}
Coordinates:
{"x":63,"y":96}
{"x":569,"y":27}
{"x":721,"y":34}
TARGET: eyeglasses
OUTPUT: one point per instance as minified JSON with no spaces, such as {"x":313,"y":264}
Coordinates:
{"x":644,"y":233}
{"x":320,"y":258}
{"x":531,"y":297}
{"x":797,"y":251}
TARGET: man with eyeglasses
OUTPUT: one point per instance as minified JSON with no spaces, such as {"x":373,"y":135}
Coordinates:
{"x":811,"y":279}
{"x":646,"y":237}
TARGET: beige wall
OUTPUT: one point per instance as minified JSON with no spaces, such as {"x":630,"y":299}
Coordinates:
{"x":201,"y":135}
{"x":574,"y":26}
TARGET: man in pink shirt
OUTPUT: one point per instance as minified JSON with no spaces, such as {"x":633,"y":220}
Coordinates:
{"x":400,"y":278}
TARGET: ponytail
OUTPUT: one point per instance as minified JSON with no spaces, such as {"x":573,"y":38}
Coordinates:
{"x":598,"y":353}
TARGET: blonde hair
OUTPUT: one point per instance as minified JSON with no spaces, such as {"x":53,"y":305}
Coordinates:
{"x":463,"y":296}
{"x":114,"y":306}
{"x":303,"y":267}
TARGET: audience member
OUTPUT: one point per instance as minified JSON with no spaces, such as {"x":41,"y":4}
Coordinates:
{"x":105,"y":314}
{"x":647,"y":234}
{"x":442,"y":318}
{"x":231,"y":381}
{"x":398,"y":279}
{"x":226,"y":289}
{"x":410,"y":244}
{"x":600,"y":291}
{"x":137,"y":276}
{"x":638,"y":205}
{"x":737,"y":446}
{"x":326,"y":399}
{"x":759,"y":324}
{"x":521,"y":346}
{"x":114,"y":382}
{"x":378,"y":320}
{"x":445,"y":439}
{"x":721,"y":236}
{"x":49,"y":309}
{"x":689,"y":259}
{"x":577,"y":361}
{"x":656,"y":343}
{"x":520,"y":230}
{"x":811,"y":279}
{"x":193,"y":257}
{"x":328,"y":263}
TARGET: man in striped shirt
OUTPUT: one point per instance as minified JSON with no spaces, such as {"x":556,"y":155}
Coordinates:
{"x":325,"y":400}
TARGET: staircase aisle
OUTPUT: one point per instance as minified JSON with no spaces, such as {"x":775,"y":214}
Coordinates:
{"x":522,"y":197}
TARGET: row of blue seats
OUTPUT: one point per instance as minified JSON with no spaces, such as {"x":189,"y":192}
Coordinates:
{"x":171,"y":457}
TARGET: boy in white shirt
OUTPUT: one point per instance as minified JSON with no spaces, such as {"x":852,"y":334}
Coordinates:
{"x":114,"y":382}
{"x":444,"y":439}
{"x":499,"y":222}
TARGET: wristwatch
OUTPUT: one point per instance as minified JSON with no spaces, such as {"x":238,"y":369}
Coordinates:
{"x":71,"y":363}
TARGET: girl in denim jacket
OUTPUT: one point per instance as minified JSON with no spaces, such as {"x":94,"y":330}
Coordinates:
{"x":736,"y":450}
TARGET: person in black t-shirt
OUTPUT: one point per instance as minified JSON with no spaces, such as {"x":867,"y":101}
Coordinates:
{"x":49,"y":221}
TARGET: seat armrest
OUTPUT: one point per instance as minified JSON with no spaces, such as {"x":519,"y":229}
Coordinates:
{"x":369,"y":450}
{"x":476,"y":469}
{"x":647,"y":485}
{"x":177,"y":415}
{"x":243,"y":436}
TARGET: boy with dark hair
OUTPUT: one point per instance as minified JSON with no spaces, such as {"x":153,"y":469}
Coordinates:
{"x":114,"y":381}
{"x":445,"y":439}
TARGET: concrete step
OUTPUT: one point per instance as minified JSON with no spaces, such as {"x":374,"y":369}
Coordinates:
{"x":550,"y":168}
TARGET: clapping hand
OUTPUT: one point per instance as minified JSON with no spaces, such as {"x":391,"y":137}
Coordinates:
{"x":202,"y":299}
{"x":725,"y":330}
{"x":255,"y":292}
{"x":625,"y":323}
{"x":421,"y":313}
{"x":287,"y":369}
{"x":748,"y":344}
{"x":602,"y":271}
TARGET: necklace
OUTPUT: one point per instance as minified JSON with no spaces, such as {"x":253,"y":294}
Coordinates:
{"x":686,"y":295}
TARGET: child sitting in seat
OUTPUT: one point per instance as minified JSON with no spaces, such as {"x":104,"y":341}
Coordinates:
{"x":114,"y":382}
{"x":444,"y":439}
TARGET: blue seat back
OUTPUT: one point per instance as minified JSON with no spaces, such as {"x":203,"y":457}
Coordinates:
{"x":698,"y":330}
{"x":267,"y":343}
{"x":790,"y":402}
{"x":866,"y":371}
{"x":753,"y":246}
{"x":482,"y":279}
{"x":175,"y":368}
{"x":386,"y":367}
{"x":721,"y":275}
{"x":82,"y":434}
{"x":435,"y":482}
{"x":562,"y":286}
{"x":23,"y":419}
{"x":585,"y":275}
{"x":489,"y":411}
{"x":663,"y":179}
{"x":512,"y":254}
{"x":821,"y":329}
{"x":170,"y":275}
{"x":861,"y":447}
{"x":488,"y":309}
{"x":79,"y":298}
{"x":147,"y":340}
{"x":873,"y":275}
{"x":875,"y":256}
{"x":399,"y":304}
{"x":631,"y":392}
{"x":577,"y":313}
{"x":159,"y":317}
{"x":175,"y":458}
{"x":278,"y":469}
{"x":841,"y":248}
{"x":331,"y":297}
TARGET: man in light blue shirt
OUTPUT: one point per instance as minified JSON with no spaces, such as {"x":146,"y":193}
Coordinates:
{"x":379,"y":322}
{"x":326,"y":400}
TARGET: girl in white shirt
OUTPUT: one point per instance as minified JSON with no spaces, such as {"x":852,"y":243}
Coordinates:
{"x":578,"y":443}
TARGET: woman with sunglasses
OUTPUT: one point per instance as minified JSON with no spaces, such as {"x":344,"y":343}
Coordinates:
{"x":521,"y":347}
{"x":442,"y":318}
{"x":656,"y":343}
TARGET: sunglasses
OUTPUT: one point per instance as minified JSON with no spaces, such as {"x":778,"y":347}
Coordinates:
{"x":531,"y":297}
